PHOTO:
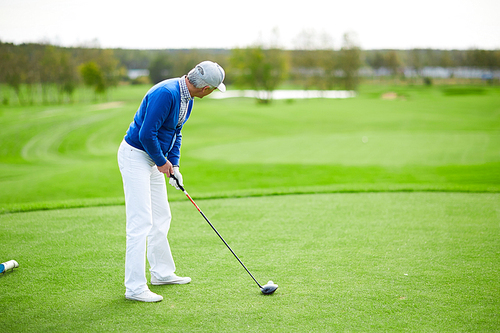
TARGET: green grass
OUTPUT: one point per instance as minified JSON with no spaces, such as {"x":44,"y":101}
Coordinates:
{"x":371,"y":215}
{"x":345,"y":262}
{"x":428,"y":141}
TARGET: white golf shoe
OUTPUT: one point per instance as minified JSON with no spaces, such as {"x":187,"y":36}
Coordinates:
{"x":146,"y":296}
{"x":171,"y":279}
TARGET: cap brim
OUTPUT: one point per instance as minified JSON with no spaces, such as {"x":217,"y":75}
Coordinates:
{"x":221,"y":87}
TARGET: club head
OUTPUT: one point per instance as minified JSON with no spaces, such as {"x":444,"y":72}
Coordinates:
{"x":269,"y":288}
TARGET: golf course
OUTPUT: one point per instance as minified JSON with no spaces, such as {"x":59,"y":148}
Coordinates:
{"x":372,"y":214}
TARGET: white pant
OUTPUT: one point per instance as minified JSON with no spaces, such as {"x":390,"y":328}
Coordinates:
{"x":148,"y":219}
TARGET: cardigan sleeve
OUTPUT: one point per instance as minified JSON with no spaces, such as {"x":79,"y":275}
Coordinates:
{"x":158,"y":109}
{"x":174,"y":154}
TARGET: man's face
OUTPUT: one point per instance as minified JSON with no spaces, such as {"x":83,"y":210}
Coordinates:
{"x":205,"y":92}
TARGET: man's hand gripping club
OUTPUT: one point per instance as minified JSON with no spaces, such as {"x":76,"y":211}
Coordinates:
{"x":170,"y":170}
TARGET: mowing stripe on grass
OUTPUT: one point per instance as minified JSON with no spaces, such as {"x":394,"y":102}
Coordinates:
{"x":239,"y":194}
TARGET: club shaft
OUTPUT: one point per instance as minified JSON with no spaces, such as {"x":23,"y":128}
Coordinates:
{"x":211,"y":225}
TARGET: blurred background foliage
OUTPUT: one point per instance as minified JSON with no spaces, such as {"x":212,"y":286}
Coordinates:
{"x":49,"y":74}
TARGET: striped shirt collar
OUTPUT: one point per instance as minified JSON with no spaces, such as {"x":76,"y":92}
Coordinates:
{"x":185,"y":95}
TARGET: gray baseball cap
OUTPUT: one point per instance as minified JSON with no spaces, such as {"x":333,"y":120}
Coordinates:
{"x":212,"y":74}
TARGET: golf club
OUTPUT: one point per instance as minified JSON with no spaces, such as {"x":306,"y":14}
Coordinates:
{"x":268,"y":288}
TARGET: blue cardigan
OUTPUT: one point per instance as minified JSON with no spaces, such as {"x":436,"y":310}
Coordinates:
{"x":154,"y":128}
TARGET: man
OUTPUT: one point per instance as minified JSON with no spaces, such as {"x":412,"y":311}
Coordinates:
{"x":150,"y":149}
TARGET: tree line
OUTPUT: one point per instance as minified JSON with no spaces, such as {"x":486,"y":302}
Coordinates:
{"x":417,"y":59}
{"x":51,"y":74}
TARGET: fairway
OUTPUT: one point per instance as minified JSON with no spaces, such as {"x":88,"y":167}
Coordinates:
{"x":65,"y":155}
{"x":384,"y":149}
{"x":344,"y":262}
{"x":371,"y":215}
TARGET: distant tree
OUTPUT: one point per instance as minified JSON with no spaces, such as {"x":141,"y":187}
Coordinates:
{"x":93,"y":77}
{"x":393,"y":62}
{"x":309,"y":39}
{"x":104,"y":59}
{"x":109,"y":66}
{"x":446,"y":61}
{"x":49,"y":67}
{"x":15,"y":72}
{"x":185,"y":60}
{"x":306,"y":68}
{"x":67,"y":79}
{"x":350,"y":61}
{"x":483,"y":59}
{"x":314,"y":60}
{"x":260,"y":69}
{"x":6,"y":64}
{"x":416,"y":62}
{"x":378,"y":60}
{"x":33,"y":56}
{"x":496,"y":59}
{"x":328,"y":61}
{"x":160,"y":68}
{"x":432,"y":58}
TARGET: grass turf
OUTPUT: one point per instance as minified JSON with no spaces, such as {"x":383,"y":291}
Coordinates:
{"x":344,"y":262}
{"x":386,"y":177}
{"x":430,"y":140}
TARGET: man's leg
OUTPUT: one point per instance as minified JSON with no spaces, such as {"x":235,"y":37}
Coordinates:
{"x":159,"y":254}
{"x":136,"y":171}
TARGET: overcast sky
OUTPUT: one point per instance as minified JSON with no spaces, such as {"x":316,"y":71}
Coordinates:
{"x":160,"y":24}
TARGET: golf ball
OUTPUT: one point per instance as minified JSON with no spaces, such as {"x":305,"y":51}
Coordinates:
{"x":270,"y":282}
